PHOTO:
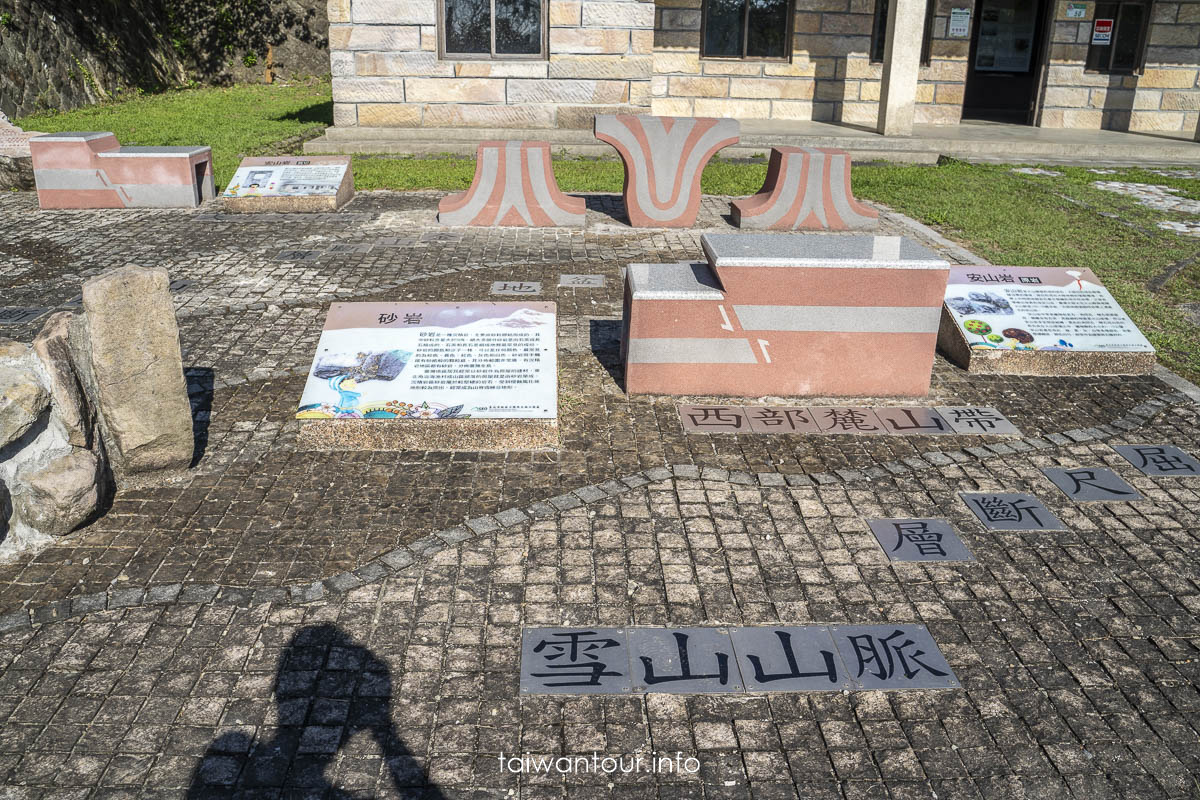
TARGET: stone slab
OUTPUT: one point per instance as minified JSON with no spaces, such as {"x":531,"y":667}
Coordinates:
{"x":469,"y":435}
{"x":789,"y":659}
{"x":912,"y":421}
{"x":1011,"y":511}
{"x":977,"y":419}
{"x":842,"y":419}
{"x":919,"y":540}
{"x":1091,"y":484}
{"x":817,"y":250}
{"x":289,"y":184}
{"x":574,"y":661}
{"x":1159,"y":460}
{"x":683,"y":661}
{"x":893,"y":657}
{"x":516,"y":287}
{"x":298,"y":255}
{"x":764,"y":419}
{"x":714,"y":419}
{"x":581,"y":281}
{"x":684,"y":280}
{"x":20,"y":315}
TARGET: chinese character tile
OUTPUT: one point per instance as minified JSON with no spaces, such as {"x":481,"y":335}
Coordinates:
{"x":15,"y":315}
{"x":1159,"y":459}
{"x":683,"y":660}
{"x":581,"y":281}
{"x":1009,"y":511}
{"x":976,"y":419}
{"x":347,"y":249}
{"x":781,"y":419}
{"x":574,"y":661}
{"x":892,"y":657}
{"x":714,"y":419}
{"x":919,"y":540}
{"x":857,"y":421}
{"x":298,"y":255}
{"x":907,"y":421}
{"x":179,"y":284}
{"x":788,"y":659}
{"x":516,"y":287}
{"x":1091,"y":483}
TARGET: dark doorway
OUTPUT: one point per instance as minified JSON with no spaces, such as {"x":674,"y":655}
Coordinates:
{"x":1005,"y":61}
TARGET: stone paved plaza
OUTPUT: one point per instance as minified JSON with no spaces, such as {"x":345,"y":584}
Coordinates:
{"x":293,"y":623}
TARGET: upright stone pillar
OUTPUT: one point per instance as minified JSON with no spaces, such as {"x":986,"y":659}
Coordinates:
{"x":901,"y":60}
{"x":1197,"y":136}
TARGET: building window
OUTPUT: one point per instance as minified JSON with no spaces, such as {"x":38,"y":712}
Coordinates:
{"x":879,"y":32}
{"x":492,"y":29}
{"x":1126,"y":38}
{"x":755,"y":29}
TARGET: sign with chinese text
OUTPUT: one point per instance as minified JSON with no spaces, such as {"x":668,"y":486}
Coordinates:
{"x":17,"y":315}
{"x":287,"y":177}
{"x":919,"y":540}
{"x":893,"y":420}
{"x":1102,"y":31}
{"x":1086,"y":484}
{"x":960,"y":23}
{"x":1039,"y":308}
{"x":1012,"y":511}
{"x":434,"y":361}
{"x":1161,"y":460}
{"x":763,"y":658}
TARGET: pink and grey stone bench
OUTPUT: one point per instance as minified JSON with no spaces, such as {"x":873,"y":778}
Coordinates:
{"x":92,"y":170}
{"x":788,"y":315}
{"x":664,"y":158}
{"x":807,"y":188}
{"x":513,"y":186}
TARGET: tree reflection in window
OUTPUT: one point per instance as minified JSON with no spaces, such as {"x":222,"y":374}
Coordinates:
{"x":468,"y":28}
{"x":747,"y":28}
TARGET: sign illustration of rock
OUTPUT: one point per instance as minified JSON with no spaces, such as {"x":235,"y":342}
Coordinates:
{"x":806,"y":188}
{"x":92,"y":170}
{"x":663,"y":158}
{"x":784,"y":314}
{"x":290,"y":183}
{"x":513,"y":186}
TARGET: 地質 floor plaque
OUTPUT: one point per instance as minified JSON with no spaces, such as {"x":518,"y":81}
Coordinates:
{"x":1038,"y":321}
{"x":433,"y":376}
{"x":290,"y":183}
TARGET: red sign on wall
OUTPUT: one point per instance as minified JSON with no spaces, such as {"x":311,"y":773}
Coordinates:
{"x":1102,"y":31}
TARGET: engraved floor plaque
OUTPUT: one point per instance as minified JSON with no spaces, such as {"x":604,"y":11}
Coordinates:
{"x":16,"y":315}
{"x":789,"y":659}
{"x":1160,"y":460}
{"x":892,"y":657}
{"x":516,"y":287}
{"x":1009,"y":511}
{"x":976,"y":419}
{"x":683,"y":660}
{"x":1087,"y":484}
{"x":574,"y":661}
{"x":581,"y":281}
{"x":714,"y":419}
{"x":298,"y":255}
{"x":912,"y":421}
{"x":857,"y":421}
{"x":780,"y":420}
{"x":919,"y":540}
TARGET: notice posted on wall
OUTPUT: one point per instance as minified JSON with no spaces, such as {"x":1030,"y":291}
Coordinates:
{"x":1039,"y":308}
{"x":288,"y":178}
{"x":434,"y":361}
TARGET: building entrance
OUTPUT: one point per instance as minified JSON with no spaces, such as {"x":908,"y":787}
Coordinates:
{"x":1005,"y":61}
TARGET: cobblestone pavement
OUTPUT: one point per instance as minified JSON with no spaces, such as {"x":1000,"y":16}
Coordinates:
{"x":186,"y":644}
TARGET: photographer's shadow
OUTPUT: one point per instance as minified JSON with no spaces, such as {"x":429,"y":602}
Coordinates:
{"x":328,"y":688}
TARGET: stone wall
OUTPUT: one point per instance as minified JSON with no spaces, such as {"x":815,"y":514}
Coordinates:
{"x":63,"y":54}
{"x":830,"y":78}
{"x":386,"y":72}
{"x":1165,"y":97}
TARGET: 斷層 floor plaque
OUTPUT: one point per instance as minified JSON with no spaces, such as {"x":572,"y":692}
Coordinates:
{"x":433,"y":376}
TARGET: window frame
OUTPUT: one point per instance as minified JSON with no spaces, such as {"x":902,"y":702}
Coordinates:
{"x":926,"y":40}
{"x":492,"y":55}
{"x":1143,"y":39}
{"x":789,"y":37}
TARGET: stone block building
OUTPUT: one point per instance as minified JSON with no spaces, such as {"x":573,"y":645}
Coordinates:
{"x":885,"y":64}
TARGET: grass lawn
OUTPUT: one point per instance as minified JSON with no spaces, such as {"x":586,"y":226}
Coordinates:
{"x":236,"y":121}
{"x":1007,"y":218}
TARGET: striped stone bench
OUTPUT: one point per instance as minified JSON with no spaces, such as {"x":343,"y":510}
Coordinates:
{"x":663,"y":158}
{"x":807,"y":188}
{"x":92,"y":170}
{"x":796,"y":315}
{"x":513,"y":186}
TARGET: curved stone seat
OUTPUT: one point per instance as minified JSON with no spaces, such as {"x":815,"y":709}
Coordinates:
{"x":513,"y":186}
{"x":664,"y":157}
{"x":807,"y":188}
{"x":91,"y":170}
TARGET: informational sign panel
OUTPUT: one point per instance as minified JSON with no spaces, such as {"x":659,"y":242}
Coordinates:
{"x":434,"y":361}
{"x":1102,"y":31}
{"x":286,"y":177}
{"x":960,"y":23}
{"x":1039,"y":308}
{"x":1006,"y":29}
{"x":1076,"y":10}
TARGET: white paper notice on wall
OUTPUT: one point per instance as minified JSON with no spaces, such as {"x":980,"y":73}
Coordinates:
{"x":960,"y":23}
{"x":1102,"y":31}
